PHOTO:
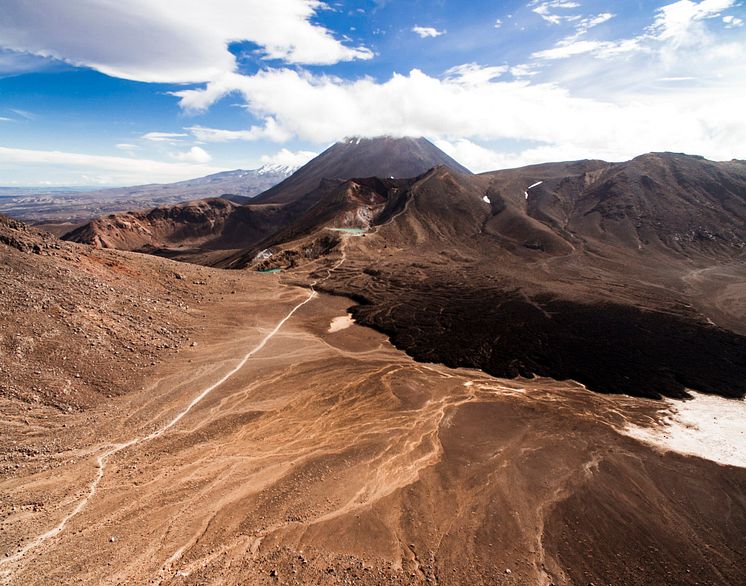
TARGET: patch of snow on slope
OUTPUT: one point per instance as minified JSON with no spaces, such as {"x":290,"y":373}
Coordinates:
{"x":707,"y":426}
{"x":486,"y":199}
{"x":525,"y":193}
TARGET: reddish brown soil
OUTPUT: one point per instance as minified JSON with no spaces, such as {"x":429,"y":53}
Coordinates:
{"x":627,"y":277}
{"x":333,"y":458}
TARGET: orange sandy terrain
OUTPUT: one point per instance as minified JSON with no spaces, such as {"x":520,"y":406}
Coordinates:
{"x":333,"y":458}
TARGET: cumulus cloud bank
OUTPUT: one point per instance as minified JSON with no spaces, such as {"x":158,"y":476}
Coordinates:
{"x":164,"y":41}
{"x":472,"y":103}
{"x":479,"y":107}
{"x":587,"y":95}
{"x":288,"y":158}
{"x":193,"y":155}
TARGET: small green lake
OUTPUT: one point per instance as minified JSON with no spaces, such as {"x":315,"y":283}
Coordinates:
{"x":269,"y":270}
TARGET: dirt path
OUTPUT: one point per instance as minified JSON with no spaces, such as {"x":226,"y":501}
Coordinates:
{"x":102,"y":459}
{"x":332,"y":458}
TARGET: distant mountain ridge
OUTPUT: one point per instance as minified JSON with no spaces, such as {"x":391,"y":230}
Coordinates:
{"x":75,"y":208}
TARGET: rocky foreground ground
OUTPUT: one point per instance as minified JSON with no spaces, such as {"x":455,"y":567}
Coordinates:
{"x":172,"y":424}
{"x":79,"y":327}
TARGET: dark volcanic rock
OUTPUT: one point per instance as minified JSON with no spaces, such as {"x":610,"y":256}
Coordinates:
{"x":607,"y":303}
{"x":608,"y":347}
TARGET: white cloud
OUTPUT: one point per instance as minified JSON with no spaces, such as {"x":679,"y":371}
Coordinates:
{"x":498,"y":23}
{"x":193,"y":155}
{"x":476,"y":158}
{"x":71,"y":167}
{"x":125,"y":146}
{"x":679,"y":23}
{"x":411,"y":104}
{"x":582,"y":23}
{"x":4,"y":119}
{"x":163,"y":41}
{"x":164,"y":136}
{"x":24,"y":113}
{"x":732,"y":21}
{"x":474,"y":74}
{"x":547,"y":10}
{"x":569,"y":49}
{"x":706,"y":119}
{"x":480,"y":159}
{"x":587,"y":23}
{"x":270,"y":131}
{"x":287,"y":158}
{"x":523,"y":70}
{"x":427,"y":31}
{"x":677,"y":26}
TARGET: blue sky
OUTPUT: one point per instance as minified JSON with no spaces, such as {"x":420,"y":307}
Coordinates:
{"x":101,"y":93}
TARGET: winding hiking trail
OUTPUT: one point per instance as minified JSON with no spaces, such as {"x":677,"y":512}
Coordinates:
{"x":323,"y":457}
{"x":102,"y":459}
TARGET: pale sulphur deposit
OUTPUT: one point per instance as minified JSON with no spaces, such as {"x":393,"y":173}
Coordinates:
{"x":707,"y":426}
{"x":341,"y":323}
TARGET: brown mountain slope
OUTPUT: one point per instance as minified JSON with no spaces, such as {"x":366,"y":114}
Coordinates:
{"x":79,"y":324}
{"x":451,"y":282}
{"x":278,"y":450}
{"x":335,"y":204}
{"x":658,"y":204}
{"x":179,"y":231}
{"x":584,"y":270}
{"x":685,"y":205}
{"x":219,"y":224}
{"x":362,"y":157}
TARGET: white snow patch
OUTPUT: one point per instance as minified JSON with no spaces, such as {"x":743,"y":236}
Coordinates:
{"x":341,"y":323}
{"x":525,"y":193}
{"x":486,"y":199}
{"x":707,"y":426}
